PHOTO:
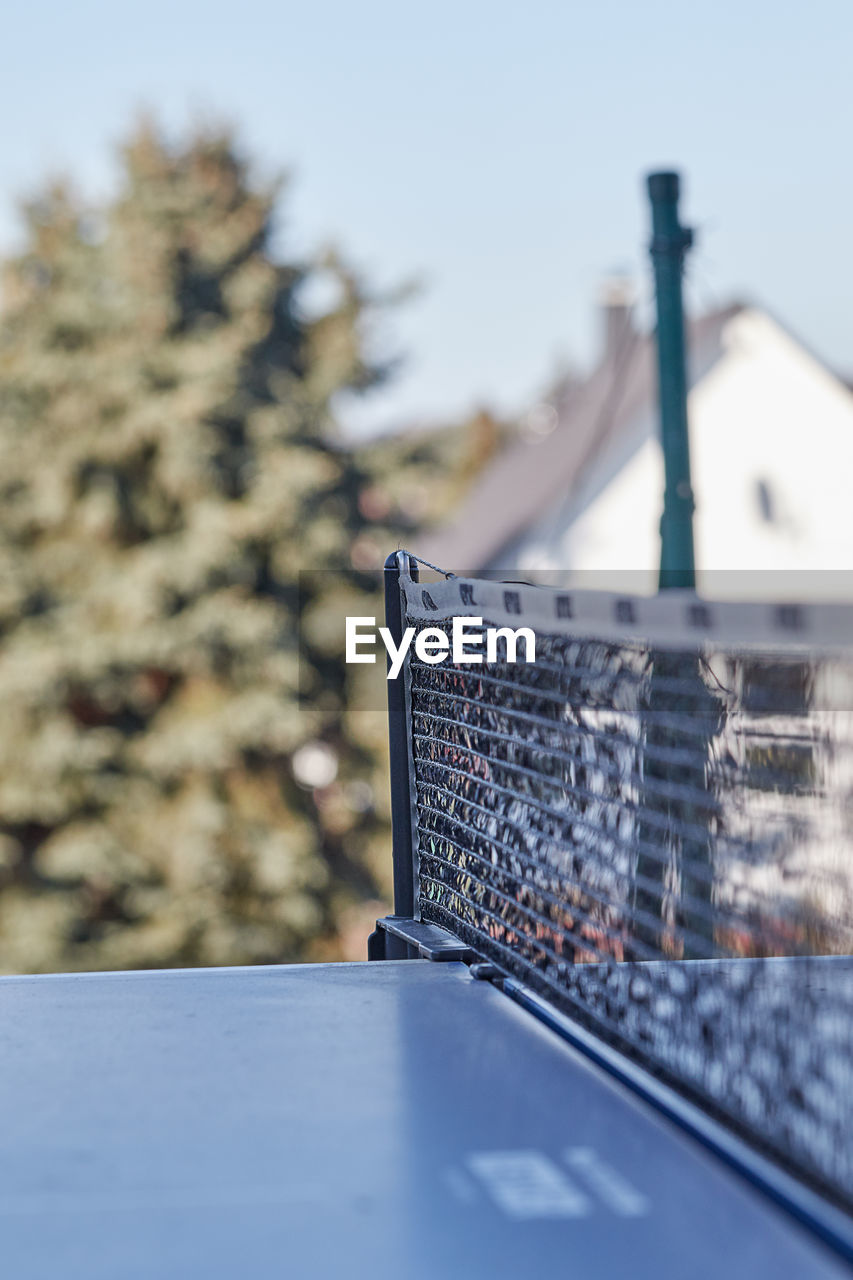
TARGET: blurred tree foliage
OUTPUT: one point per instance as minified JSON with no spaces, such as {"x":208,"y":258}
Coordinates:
{"x":168,"y":460}
{"x":418,"y":477}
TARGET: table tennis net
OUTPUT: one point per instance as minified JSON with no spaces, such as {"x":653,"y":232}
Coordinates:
{"x":650,"y":825}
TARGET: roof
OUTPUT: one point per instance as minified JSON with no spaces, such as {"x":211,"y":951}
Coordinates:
{"x":533,"y":474}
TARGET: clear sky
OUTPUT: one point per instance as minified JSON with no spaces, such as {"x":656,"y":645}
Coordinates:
{"x":493,"y":150}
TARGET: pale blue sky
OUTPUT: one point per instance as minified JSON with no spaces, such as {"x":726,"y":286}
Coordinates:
{"x":494,"y":150}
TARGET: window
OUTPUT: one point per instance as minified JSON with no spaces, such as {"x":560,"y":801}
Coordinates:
{"x":764,"y":498}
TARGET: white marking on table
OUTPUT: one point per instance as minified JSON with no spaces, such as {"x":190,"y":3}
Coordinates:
{"x":610,"y":1186}
{"x":526,"y":1184}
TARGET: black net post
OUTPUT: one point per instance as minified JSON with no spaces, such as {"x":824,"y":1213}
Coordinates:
{"x":398,"y":742}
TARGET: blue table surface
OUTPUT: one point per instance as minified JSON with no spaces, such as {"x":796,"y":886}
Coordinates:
{"x":395,"y":1118}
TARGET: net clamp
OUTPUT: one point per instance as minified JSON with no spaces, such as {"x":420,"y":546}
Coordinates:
{"x":422,"y":941}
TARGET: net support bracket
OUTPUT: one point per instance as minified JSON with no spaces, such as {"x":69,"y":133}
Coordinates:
{"x":401,"y":938}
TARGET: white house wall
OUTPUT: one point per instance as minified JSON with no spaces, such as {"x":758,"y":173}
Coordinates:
{"x":767,"y":413}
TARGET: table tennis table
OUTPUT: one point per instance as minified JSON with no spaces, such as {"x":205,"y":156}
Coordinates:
{"x":351,"y":1120}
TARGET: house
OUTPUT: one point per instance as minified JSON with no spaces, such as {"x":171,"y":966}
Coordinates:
{"x":580,"y":487}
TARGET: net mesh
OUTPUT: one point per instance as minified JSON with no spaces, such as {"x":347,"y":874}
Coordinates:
{"x":656,"y":837}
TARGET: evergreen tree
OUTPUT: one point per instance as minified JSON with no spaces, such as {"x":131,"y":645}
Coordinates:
{"x":167,"y":463}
